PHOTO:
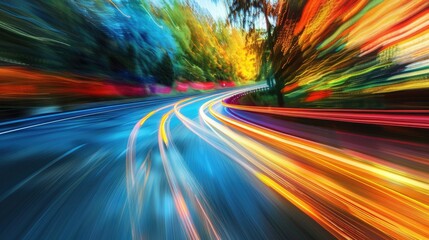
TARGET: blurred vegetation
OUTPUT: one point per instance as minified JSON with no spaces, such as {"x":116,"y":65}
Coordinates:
{"x":128,"y":41}
{"x":340,"y":50}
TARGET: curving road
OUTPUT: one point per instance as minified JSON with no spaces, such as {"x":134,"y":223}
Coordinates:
{"x":191,"y":168}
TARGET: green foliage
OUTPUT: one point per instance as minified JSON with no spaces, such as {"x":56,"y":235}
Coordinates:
{"x":164,"y":72}
{"x":208,"y":50}
{"x":122,"y":40}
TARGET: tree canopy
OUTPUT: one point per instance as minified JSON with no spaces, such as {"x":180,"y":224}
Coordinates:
{"x":123,"y":40}
{"x":340,"y":49}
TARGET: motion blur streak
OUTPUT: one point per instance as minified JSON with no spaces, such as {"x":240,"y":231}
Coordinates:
{"x":149,"y":119}
{"x":350,"y":48}
{"x":178,"y":179}
{"x":352,"y":194}
{"x":400,"y":118}
{"x":366,"y":209}
{"x":132,"y":174}
{"x":179,"y":200}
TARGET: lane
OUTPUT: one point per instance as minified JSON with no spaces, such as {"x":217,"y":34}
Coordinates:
{"x":348,"y":188}
{"x":353,"y":190}
{"x":192,"y":168}
{"x":207,"y":191}
{"x":31,"y":122}
{"x":68,"y":179}
{"x":63,"y":175}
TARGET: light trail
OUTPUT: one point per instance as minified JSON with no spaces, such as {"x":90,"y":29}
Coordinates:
{"x":352,"y":195}
{"x":206,"y":166}
{"x":357,"y":170}
{"x":398,"y":118}
{"x":179,"y":200}
{"x":177,"y":175}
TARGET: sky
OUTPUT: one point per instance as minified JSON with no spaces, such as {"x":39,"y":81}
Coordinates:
{"x":217,"y":10}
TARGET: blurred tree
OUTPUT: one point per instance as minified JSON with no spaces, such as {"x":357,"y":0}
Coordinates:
{"x":124,"y":41}
{"x":247,"y":13}
{"x":208,"y":50}
{"x":283,"y":54}
{"x":164,"y":72}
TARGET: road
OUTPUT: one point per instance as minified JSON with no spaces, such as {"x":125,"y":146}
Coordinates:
{"x":190,"y":168}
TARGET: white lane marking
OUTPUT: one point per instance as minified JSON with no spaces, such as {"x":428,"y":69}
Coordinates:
{"x":64,"y":119}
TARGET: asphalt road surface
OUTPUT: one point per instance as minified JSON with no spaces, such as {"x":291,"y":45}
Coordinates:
{"x":189,"y":168}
